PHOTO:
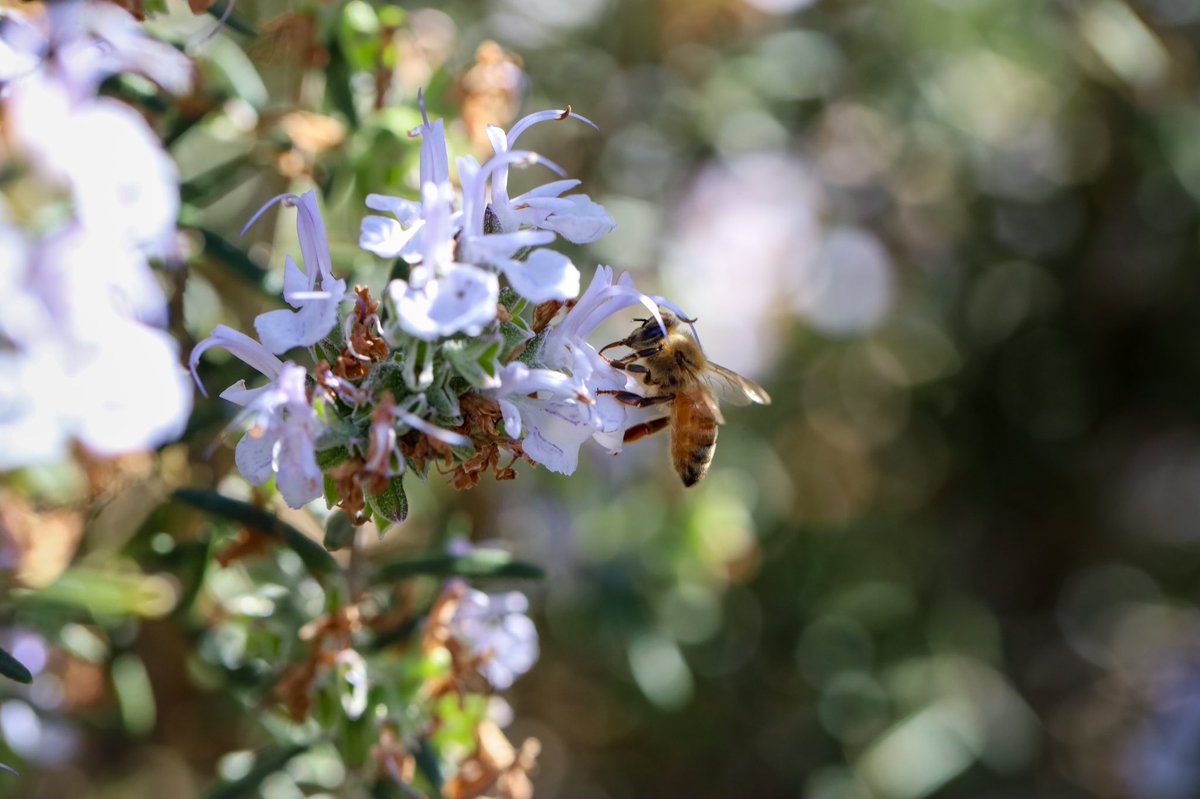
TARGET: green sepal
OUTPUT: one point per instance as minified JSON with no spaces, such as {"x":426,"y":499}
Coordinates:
{"x":331,"y":457}
{"x":475,"y":360}
{"x":418,"y":365}
{"x":391,"y":506}
{"x":530,"y":353}
{"x":515,"y":336}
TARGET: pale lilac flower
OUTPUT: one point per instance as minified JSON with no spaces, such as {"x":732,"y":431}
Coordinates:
{"x":545,"y":274}
{"x":282,"y":439}
{"x":401,"y":237}
{"x":568,"y":410}
{"x":442,"y":297}
{"x":388,"y":237}
{"x":553,"y":412}
{"x":284,"y":426}
{"x":433,"y":236}
{"x":576,"y":217}
{"x":496,"y":629}
{"x":463,"y":300}
{"x":313,"y":291}
{"x":246,"y":350}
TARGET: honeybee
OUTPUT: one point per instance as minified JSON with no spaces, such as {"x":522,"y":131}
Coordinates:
{"x":686,"y":380}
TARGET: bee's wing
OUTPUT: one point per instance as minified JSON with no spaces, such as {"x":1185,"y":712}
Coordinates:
{"x":731,"y":387}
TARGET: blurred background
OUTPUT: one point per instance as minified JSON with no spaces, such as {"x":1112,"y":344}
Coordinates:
{"x":957,"y":240}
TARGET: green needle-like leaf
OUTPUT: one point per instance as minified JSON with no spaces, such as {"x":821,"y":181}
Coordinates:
{"x":482,"y":564}
{"x":232,"y":21}
{"x":12,"y":668}
{"x":234,"y":257}
{"x":313,"y":554}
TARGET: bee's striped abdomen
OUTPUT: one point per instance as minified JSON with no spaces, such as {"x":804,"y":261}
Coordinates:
{"x":693,"y":437}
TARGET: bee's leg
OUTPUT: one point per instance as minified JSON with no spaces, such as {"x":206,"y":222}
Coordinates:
{"x":622,"y":343}
{"x":627,"y":364}
{"x":646,"y":429}
{"x":636,"y":400}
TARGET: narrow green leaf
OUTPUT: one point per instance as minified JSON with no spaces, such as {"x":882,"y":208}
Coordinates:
{"x":232,"y":21}
{"x":239,"y":263}
{"x":339,"y":531}
{"x":137,"y":92}
{"x":481,"y":564}
{"x":429,"y":764}
{"x":13,"y":669}
{"x":266,"y":764}
{"x":313,"y":554}
{"x":337,"y":84}
{"x":205,"y":187}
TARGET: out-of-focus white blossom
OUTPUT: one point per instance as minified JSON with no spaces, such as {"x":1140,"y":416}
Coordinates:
{"x":497,"y":630}
{"x":119,"y":177}
{"x":313,"y":291}
{"x":83,"y":352}
{"x":762,"y":214}
{"x":93,"y":40}
{"x":82,"y":356}
{"x":22,"y":46}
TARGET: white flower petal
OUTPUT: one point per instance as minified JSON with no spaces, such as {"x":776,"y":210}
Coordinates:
{"x":385,"y":237}
{"x":115,"y":416}
{"x":463,"y":300}
{"x":407,"y":211}
{"x":554,"y":433}
{"x":299,"y":479}
{"x":545,"y":275}
{"x":512,"y":418}
{"x":255,"y":455}
{"x":283,"y":330}
{"x":577,"y":218}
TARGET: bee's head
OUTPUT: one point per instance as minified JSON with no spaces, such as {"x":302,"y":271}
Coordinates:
{"x":650,"y":332}
{"x":669,"y":320}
